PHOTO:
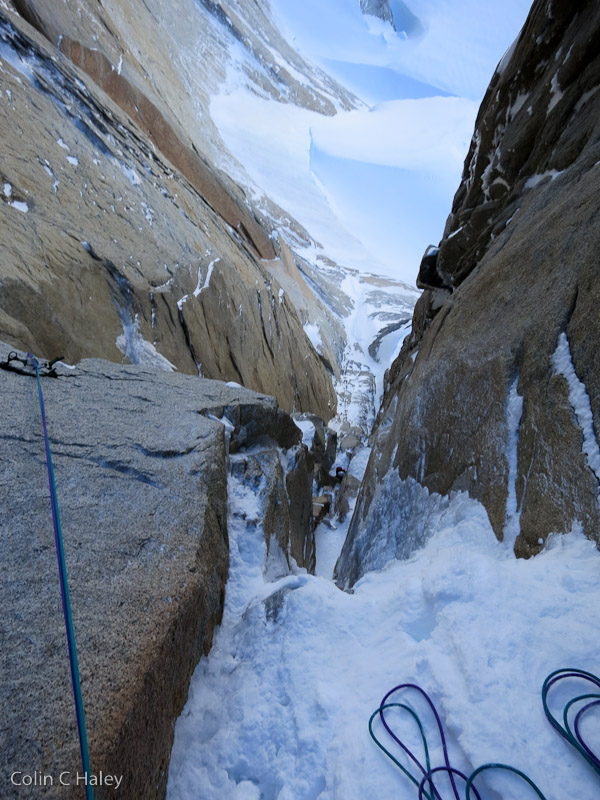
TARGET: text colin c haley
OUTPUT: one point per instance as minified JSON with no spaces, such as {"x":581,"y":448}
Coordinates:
{"x":65,"y":779}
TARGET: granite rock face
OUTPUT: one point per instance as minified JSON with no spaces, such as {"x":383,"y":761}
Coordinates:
{"x":122,"y":237}
{"x":487,"y":396}
{"x":140,"y":460}
{"x":281,"y":481}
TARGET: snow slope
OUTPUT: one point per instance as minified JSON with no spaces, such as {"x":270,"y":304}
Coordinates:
{"x":373,"y":185}
{"x":280,"y":707}
{"x":452,"y":47}
{"x":361,"y":385}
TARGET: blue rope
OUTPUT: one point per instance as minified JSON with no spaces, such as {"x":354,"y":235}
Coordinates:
{"x":571,"y":734}
{"x":425,"y":781}
{"x":573,"y":737}
{"x":66,"y":602}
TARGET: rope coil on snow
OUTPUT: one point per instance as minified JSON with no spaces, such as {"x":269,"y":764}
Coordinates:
{"x":581,"y":704}
{"x":427,"y":771}
{"x":574,"y":737}
{"x":64,"y":591}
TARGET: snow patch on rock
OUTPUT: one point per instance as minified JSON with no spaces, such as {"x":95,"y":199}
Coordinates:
{"x":514,"y":412}
{"x":580,"y":402}
{"x":132,"y":344}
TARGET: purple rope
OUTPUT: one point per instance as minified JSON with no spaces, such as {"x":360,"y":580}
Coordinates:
{"x":580,"y":738}
{"x":577,"y":740}
{"x":451,"y":771}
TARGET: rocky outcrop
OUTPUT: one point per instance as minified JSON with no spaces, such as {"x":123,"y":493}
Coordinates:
{"x":113,"y":247}
{"x":378,"y":8}
{"x":496,"y":391}
{"x":282,"y":483}
{"x":125,"y":206}
{"x":141,"y":473}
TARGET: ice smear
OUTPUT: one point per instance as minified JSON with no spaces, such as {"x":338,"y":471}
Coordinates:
{"x":585,"y":97}
{"x":580,"y":402}
{"x":205,"y":284}
{"x":279,"y":708}
{"x":148,"y":213}
{"x":55,"y":182}
{"x":17,"y":60}
{"x":131,"y":175}
{"x":517,"y":105}
{"x":535,"y":179}
{"x":20,"y":205}
{"x":513,"y":412}
{"x":555,"y":92}
{"x":308,"y":431}
{"x":201,"y":285}
{"x":137,"y":349}
{"x":314,"y":334}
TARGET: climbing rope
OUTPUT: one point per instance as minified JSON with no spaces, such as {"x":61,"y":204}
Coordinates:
{"x":424,"y":781}
{"x":64,"y":587}
{"x":573,"y":736}
{"x":579,"y":705}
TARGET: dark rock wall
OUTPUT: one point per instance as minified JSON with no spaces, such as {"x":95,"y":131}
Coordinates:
{"x":518,"y":266}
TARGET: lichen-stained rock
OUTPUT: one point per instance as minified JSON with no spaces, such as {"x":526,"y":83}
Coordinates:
{"x":141,"y":478}
{"x":486,"y":396}
{"x":110,"y":251}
